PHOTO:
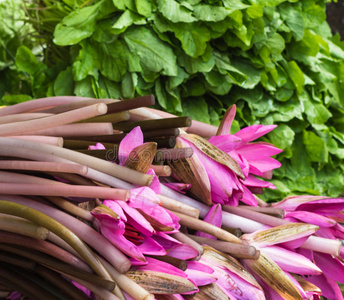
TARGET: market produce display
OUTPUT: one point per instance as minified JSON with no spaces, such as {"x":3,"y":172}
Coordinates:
{"x":276,"y":60}
{"x":141,"y":205}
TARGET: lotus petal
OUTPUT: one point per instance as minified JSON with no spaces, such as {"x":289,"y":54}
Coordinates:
{"x":227,"y":120}
{"x":253,"y":132}
{"x":133,"y":139}
{"x":214,"y":217}
{"x":291,"y":261}
{"x":328,"y":286}
{"x":332,"y":267}
{"x":311,"y":218}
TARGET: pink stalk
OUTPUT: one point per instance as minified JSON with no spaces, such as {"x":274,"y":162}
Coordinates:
{"x":18,"y":128}
{"x":22,"y":117}
{"x":254,"y":215}
{"x":83,"y":231}
{"x":23,"y":178}
{"x":228,"y":219}
{"x":42,"y":166}
{"x":76,"y":104}
{"x":64,"y":190}
{"x":207,"y":228}
{"x":39,"y":104}
{"x":135,"y":177}
{"x":78,"y":129}
{"x":181,"y":237}
{"x":323,"y":245}
{"x":50,"y":140}
{"x":234,"y":249}
{"x":177,"y":206}
{"x":278,"y":212}
{"x":45,"y":247}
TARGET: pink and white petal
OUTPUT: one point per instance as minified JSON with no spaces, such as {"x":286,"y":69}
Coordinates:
{"x":253,"y":181}
{"x":291,"y":261}
{"x":196,"y":265}
{"x":182,"y":251}
{"x":97,"y":146}
{"x":151,"y":247}
{"x":332,"y":267}
{"x":214,"y":217}
{"x":179,"y":187}
{"x":311,"y":218}
{"x":112,"y":204}
{"x":262,"y":165}
{"x":248,"y":198}
{"x":328,"y":286}
{"x":323,"y":206}
{"x":133,"y":139}
{"x":136,"y":219}
{"x":200,"y":278}
{"x":155,"y":185}
{"x":253,"y":132}
{"x":226,"y":143}
{"x":261,"y":149}
{"x":226,"y":123}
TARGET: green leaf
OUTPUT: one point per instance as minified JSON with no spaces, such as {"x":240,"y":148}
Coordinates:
{"x":144,"y":7}
{"x":76,"y":26}
{"x":315,"y":146}
{"x":64,"y":83}
{"x":211,"y":13}
{"x":197,"y":109}
{"x":85,"y":62}
{"x":193,"y":38}
{"x":27,"y":62}
{"x":154,"y":54}
{"x":282,"y":136}
{"x":175,"y":12}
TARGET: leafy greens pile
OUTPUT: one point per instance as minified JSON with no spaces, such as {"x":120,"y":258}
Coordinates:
{"x":276,"y":59}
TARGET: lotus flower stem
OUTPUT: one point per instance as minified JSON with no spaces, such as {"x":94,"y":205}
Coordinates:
{"x":44,"y":247}
{"x":161,"y":133}
{"x":76,"y":129}
{"x":7,"y":144}
{"x":162,"y":170}
{"x":64,"y":285}
{"x":71,"y":208}
{"x":17,"y":261}
{"x":50,"y":140}
{"x":181,"y":237}
{"x":228,"y":220}
{"x":129,"y":104}
{"x":101,"y":292}
{"x":323,"y":245}
{"x":25,"y":286}
{"x":39,"y":104}
{"x":111,"y":118}
{"x":278,"y":212}
{"x":126,"y":284}
{"x":23,"y":127}
{"x":56,"y":227}
{"x":254,"y":215}
{"x":236,"y":250}
{"x":173,"y":154}
{"x":207,"y":228}
{"x":164,"y":142}
{"x":73,"y":178}
{"x":65,"y":190}
{"x":58,"y":266}
{"x":42,"y":166}
{"x":22,"y":117}
{"x":83,"y":145}
{"x":21,"y":226}
{"x":153,"y":124}
{"x":83,"y":231}
{"x":23,"y":178}
{"x":178,"y":263}
{"x":63,"y":107}
{"x":177,"y":206}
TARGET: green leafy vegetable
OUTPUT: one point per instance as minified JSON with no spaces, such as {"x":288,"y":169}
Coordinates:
{"x":276,"y":59}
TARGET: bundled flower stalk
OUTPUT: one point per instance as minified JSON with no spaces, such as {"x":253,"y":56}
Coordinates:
{"x":108,"y":199}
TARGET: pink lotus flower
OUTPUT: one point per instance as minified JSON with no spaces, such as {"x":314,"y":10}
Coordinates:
{"x":131,"y":225}
{"x":254,"y":158}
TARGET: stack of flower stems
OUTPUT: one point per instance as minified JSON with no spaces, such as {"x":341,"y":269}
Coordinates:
{"x":51,"y":178}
